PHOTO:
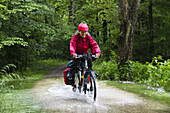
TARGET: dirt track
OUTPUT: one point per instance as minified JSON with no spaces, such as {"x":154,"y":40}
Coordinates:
{"x":56,"y":97}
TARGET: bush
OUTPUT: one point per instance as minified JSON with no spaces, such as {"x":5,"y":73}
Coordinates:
{"x":107,"y":70}
{"x":139,"y":71}
{"x":159,"y":73}
{"x":156,"y":73}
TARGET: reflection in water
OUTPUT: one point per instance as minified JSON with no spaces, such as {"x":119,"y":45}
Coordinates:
{"x":54,"y":96}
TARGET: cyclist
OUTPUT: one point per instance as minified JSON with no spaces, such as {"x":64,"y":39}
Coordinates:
{"x":80,"y":44}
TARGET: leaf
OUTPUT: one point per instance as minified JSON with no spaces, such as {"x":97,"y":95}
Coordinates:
{"x":3,"y":7}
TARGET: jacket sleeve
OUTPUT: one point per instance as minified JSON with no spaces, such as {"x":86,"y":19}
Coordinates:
{"x":73,"y":45}
{"x":94,"y":46}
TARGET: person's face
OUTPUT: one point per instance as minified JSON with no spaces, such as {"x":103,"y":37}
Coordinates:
{"x":83,"y":33}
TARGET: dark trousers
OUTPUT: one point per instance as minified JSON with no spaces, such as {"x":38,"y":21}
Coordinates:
{"x":77,"y":62}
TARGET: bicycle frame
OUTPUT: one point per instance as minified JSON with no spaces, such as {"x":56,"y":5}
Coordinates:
{"x":85,"y":70}
{"x":82,"y":76}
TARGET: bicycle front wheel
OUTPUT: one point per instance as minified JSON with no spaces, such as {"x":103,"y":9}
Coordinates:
{"x":92,"y":89}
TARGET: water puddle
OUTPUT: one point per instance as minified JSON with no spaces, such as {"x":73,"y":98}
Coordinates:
{"x":56,"y":97}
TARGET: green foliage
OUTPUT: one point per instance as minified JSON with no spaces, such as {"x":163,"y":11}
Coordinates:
{"x":36,"y":29}
{"x":159,"y":73}
{"x":160,"y":31}
{"x":15,"y":89}
{"x":11,"y":41}
{"x":10,"y":88}
{"x":107,"y":70}
{"x":29,"y":23}
{"x":139,"y":71}
{"x":6,"y":71}
{"x":156,"y":73}
{"x":43,"y":65}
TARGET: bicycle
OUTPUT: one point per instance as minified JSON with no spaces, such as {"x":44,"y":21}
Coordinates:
{"x":85,"y":77}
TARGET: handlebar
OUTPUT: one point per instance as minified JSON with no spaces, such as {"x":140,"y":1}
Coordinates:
{"x":84,"y":56}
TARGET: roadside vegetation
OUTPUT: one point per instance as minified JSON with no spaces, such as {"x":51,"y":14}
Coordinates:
{"x":143,"y":90}
{"x":150,"y":80}
{"x":14,"y":87}
{"x":156,"y":73}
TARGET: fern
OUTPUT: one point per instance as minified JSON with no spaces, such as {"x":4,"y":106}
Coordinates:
{"x":5,"y":71}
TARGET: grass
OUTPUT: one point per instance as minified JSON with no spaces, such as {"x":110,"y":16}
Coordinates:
{"x":35,"y":71}
{"x":142,"y":90}
{"x":15,"y":96}
{"x":18,"y":101}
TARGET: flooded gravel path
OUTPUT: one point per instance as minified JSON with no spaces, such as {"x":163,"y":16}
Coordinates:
{"x":54,"y":96}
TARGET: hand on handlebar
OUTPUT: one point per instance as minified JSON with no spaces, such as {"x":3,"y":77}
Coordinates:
{"x":74,"y":55}
{"x":97,"y":55}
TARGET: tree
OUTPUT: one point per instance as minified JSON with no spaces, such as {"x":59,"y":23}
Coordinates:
{"x":5,"y":40}
{"x":71,"y":11}
{"x":128,"y":18}
{"x":152,"y":31}
{"x":22,"y":23}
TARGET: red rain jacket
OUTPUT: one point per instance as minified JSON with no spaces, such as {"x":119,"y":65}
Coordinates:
{"x":81,"y":45}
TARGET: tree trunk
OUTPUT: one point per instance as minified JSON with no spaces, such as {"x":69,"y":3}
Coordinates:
{"x":97,"y":34}
{"x":104,"y":31}
{"x":141,"y":18}
{"x":71,"y":11}
{"x":151,"y":30}
{"x":128,"y":18}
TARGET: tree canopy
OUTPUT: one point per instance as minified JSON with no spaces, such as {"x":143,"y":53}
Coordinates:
{"x":42,"y":29}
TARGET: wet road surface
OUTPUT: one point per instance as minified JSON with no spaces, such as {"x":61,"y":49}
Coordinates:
{"x":54,"y":96}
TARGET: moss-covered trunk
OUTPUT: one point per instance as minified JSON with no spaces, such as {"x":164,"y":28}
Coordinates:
{"x":128,"y":18}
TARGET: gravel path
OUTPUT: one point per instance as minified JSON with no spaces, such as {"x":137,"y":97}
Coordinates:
{"x":56,"y":97}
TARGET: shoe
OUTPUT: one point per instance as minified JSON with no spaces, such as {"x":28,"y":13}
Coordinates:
{"x":74,"y":88}
{"x":95,"y":74}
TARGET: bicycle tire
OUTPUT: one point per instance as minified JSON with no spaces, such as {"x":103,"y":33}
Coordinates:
{"x":85,"y":88}
{"x":93,"y":85}
{"x":85,"y":82}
